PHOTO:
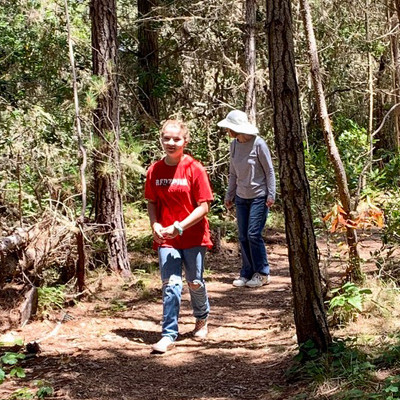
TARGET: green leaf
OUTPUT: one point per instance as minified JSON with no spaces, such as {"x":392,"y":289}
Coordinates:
{"x":18,"y":372}
{"x":11,"y":358}
{"x":356,"y":302}
{"x":44,"y":392}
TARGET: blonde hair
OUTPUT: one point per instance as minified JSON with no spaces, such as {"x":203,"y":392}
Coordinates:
{"x":180,"y":124}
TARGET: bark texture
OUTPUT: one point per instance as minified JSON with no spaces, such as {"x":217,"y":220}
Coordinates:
{"x":148,"y":59}
{"x":109,"y":213}
{"x":250,"y":54}
{"x":309,"y":310}
{"x":392,"y":143}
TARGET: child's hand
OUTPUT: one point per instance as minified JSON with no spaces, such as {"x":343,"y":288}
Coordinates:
{"x":158,"y":233}
{"x":169,"y":232}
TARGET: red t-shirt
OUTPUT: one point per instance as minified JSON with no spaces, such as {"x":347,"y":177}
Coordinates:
{"x":177,"y":190}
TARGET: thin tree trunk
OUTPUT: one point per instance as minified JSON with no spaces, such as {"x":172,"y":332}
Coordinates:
{"x":309,"y":312}
{"x":250,"y":54}
{"x":394,"y":41}
{"x":109,"y":213}
{"x":386,"y":138}
{"x":148,"y":59}
{"x":397,"y":7}
{"x":370,"y":89}
{"x":354,"y":268}
{"x":80,"y":268}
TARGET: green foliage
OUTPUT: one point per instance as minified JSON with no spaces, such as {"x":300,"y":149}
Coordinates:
{"x":392,"y":387}
{"x":22,"y":394}
{"x":132,"y":170}
{"x":227,"y":227}
{"x":44,"y":392}
{"x":387,"y":177}
{"x":117,"y":305}
{"x":321,"y":178}
{"x":390,"y":356}
{"x":343,"y":361}
{"x":391,"y":233}
{"x":142,"y":243}
{"x":353,"y":145}
{"x":307,"y":351}
{"x":354,"y":372}
{"x":25,"y":394}
{"x":51,"y":298}
{"x":347,"y":302}
{"x":11,"y":359}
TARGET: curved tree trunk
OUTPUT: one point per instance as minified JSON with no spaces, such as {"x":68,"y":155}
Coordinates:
{"x":354,"y":268}
{"x":109,"y":214}
{"x":309,"y":312}
{"x":250,"y":54}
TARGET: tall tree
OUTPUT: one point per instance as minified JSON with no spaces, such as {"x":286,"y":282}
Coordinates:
{"x":392,"y":143}
{"x":80,"y":268}
{"x":309,"y":313}
{"x":109,"y":214}
{"x":385,"y":138}
{"x":354,"y":268}
{"x":148,"y":58}
{"x":250,"y":54}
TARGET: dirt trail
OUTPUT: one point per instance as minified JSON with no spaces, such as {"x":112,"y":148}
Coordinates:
{"x":104,"y":353}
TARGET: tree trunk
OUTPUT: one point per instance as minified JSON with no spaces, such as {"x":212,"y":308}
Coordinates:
{"x":80,"y":267}
{"x":370,"y":89}
{"x":393,"y":143}
{"x":386,"y":139}
{"x":354,"y":268}
{"x":148,"y":59}
{"x":397,"y":7}
{"x":309,"y":312}
{"x":109,"y":214}
{"x":250,"y":54}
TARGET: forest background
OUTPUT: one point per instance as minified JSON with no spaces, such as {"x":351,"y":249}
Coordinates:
{"x":187,"y":60}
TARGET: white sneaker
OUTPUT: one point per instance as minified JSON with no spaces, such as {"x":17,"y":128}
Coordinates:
{"x":201,"y":329}
{"x":163,"y":345}
{"x":258,"y":280}
{"x":240,"y":282}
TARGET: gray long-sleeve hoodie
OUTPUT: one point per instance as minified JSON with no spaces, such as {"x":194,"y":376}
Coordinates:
{"x":251,"y":173}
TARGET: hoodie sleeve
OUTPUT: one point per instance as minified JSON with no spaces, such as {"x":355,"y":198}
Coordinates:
{"x":231,"y":191}
{"x":264,"y":156}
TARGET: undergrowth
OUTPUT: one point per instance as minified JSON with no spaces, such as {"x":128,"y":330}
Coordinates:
{"x":349,"y":370}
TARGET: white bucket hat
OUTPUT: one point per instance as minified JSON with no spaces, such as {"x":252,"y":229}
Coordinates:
{"x":237,"y":121}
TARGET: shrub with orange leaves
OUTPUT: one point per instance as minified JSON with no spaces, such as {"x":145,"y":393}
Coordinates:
{"x":366,"y":216}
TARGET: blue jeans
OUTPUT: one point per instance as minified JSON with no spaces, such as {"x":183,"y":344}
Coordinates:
{"x":251,"y":217}
{"x":171,"y":261}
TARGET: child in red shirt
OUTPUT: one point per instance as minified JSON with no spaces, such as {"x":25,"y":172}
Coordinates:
{"x":178,"y":193}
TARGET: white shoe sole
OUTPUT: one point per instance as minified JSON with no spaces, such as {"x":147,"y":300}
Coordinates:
{"x":162,"y":349}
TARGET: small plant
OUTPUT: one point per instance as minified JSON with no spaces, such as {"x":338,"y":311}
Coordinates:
{"x":117,"y":305}
{"x":22,"y":394}
{"x":368,"y":215}
{"x":343,"y":363}
{"x":392,"y":387}
{"x":9,"y":367}
{"x":51,"y":298}
{"x":347,"y":302}
{"x":45,"y":390}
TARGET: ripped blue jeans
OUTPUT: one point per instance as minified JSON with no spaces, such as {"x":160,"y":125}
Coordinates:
{"x":171,"y":261}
